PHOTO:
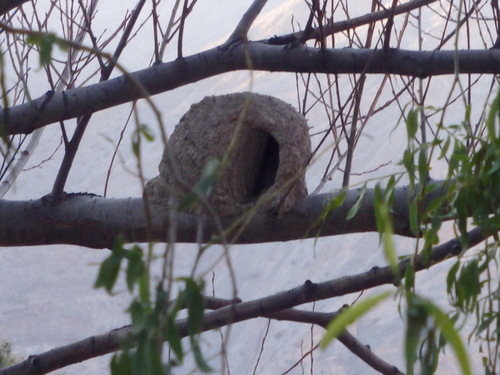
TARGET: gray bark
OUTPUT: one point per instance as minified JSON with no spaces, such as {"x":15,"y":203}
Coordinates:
{"x":278,"y":306}
{"x":8,"y":5}
{"x":54,"y":107}
{"x":96,"y":222}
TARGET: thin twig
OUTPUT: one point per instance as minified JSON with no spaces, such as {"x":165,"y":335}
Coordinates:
{"x":168,"y":32}
{"x":358,"y":93}
{"x":262,"y":343}
{"x":181,"y":30}
{"x":346,"y":338}
{"x":389,"y":25}
{"x":351,"y":23}
{"x":74,"y":143}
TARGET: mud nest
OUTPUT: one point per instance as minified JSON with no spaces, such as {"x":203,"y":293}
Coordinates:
{"x":265,"y":145}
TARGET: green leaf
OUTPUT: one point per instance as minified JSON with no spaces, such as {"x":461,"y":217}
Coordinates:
{"x":488,"y":319}
{"x":431,"y":238}
{"x":445,"y":148}
{"x":45,"y":43}
{"x":135,"y":267}
{"x":430,"y":354}
{"x":136,"y":148}
{"x":412,"y":124}
{"x":423,"y":169}
{"x":171,"y":333}
{"x":390,"y":249}
{"x":198,"y":357}
{"x":108,"y":272}
{"x":451,"y":277}
{"x":409,"y":164}
{"x":418,"y":314}
{"x":208,"y":177}
{"x":490,"y":121}
{"x":148,"y":355}
{"x":451,"y":335}
{"x":355,"y":208}
{"x":331,"y":206}
{"x":468,"y":285}
{"x":416,"y":321}
{"x":173,"y":338}
{"x":138,"y":315}
{"x":193,"y":298}
{"x":409,"y":277}
{"x":121,"y":364}
{"x":434,"y":206}
{"x":204,"y":185}
{"x":385,"y":227}
{"x":147,"y":132}
{"x":389,"y":190}
{"x":349,"y":315}
{"x":144,"y":288}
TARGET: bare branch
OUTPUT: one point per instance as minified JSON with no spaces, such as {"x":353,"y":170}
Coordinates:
{"x":60,"y":86}
{"x":241,"y":31}
{"x":96,"y":222}
{"x":367,"y":355}
{"x":347,"y":339}
{"x":54,"y":107}
{"x":280,"y":303}
{"x":350,"y":23}
{"x":389,"y":25}
{"x":8,"y":5}
{"x":83,"y":121}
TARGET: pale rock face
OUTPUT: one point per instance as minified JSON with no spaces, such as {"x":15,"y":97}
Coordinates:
{"x":264,"y":141}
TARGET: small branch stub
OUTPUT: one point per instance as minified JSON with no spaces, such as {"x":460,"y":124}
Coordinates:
{"x":264,"y":147}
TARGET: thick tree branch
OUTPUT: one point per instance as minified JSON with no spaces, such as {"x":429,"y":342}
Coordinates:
{"x":263,"y":307}
{"x":8,"y":5}
{"x":96,"y":222}
{"x":54,"y":107}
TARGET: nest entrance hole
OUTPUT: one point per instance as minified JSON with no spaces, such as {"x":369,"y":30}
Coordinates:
{"x":267,"y":164}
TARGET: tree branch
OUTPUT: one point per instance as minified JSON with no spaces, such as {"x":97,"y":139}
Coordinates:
{"x":240,"y":33}
{"x":365,"y":353}
{"x":73,"y":145}
{"x":8,"y":5}
{"x":280,"y":303}
{"x":55,"y":107}
{"x":96,"y":222}
{"x":349,"y":24}
{"x":347,"y":339}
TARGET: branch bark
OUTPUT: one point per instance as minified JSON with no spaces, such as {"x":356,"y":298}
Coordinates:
{"x":346,"y":338}
{"x":281,"y":303}
{"x":8,"y":5}
{"x":350,"y":23}
{"x":55,"y":107}
{"x":96,"y":222}
{"x":241,"y":31}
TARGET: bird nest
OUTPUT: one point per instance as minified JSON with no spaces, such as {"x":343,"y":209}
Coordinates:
{"x":263,"y":148}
